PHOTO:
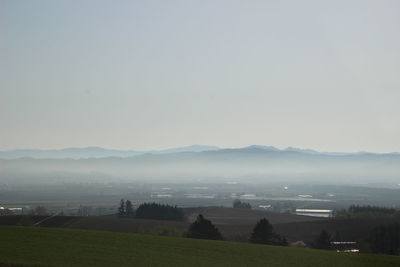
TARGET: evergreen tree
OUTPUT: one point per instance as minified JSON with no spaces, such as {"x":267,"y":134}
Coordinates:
{"x":159,"y":212}
{"x":263,"y":233}
{"x":129,"y":209}
{"x":203,"y":229}
{"x":323,"y":241}
{"x":121,"y":209}
{"x":385,"y":239}
{"x":237,"y":204}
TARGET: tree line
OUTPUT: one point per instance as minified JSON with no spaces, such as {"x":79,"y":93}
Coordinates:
{"x":356,"y":211}
{"x":237,"y":204}
{"x":383,"y":239}
{"x":201,"y":228}
{"x":153,"y":211}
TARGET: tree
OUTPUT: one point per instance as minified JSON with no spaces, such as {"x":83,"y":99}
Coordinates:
{"x":121,"y":209}
{"x":241,"y":205}
{"x":40,"y":210}
{"x":203,"y":229}
{"x":159,"y":212}
{"x":385,"y":239}
{"x":323,"y":241}
{"x":263,"y":233}
{"x":129,"y":209}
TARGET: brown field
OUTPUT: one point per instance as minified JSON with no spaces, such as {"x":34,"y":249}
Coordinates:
{"x":231,"y":216}
{"x":234,"y":224}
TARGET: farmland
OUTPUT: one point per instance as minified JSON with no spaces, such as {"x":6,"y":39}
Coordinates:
{"x":234,"y":224}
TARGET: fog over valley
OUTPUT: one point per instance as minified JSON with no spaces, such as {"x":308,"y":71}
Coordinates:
{"x":209,"y":164}
{"x":130,"y":129}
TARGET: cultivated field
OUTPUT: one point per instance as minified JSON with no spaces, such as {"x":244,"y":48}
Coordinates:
{"x":224,"y":215}
{"x":234,"y":224}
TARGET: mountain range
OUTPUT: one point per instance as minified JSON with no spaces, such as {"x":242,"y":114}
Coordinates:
{"x":195,"y":163}
{"x":93,"y":152}
{"x":99,"y":152}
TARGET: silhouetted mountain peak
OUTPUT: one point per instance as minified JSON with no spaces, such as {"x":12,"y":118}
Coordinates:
{"x":270,"y":148}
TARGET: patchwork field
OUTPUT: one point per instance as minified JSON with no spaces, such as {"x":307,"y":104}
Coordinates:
{"x":234,"y":224}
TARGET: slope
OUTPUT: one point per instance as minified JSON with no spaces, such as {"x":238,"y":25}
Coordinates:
{"x":64,"y":247}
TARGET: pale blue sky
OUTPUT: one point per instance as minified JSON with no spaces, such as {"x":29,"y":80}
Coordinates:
{"x":156,"y":74}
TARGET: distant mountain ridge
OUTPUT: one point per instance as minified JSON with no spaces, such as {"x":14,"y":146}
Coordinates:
{"x":99,"y":152}
{"x":196,"y":163}
{"x":93,"y":152}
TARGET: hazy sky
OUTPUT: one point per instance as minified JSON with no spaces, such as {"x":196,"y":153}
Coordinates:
{"x":156,"y":74}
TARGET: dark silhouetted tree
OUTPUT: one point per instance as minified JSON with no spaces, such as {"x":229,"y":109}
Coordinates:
{"x":159,"y":212}
{"x":121,"y":209}
{"x":370,"y":209}
{"x":237,"y":204}
{"x":356,"y":211}
{"x":203,"y":229}
{"x":40,"y":210}
{"x":323,"y":241}
{"x":263,"y":233}
{"x":385,"y":239}
{"x":129,"y":209}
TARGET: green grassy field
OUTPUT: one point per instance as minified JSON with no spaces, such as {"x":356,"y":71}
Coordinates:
{"x":67,"y":247}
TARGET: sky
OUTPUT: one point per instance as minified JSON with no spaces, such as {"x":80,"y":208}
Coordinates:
{"x":152,"y":74}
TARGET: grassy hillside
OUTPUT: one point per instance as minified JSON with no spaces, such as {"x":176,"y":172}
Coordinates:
{"x":67,"y":247}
